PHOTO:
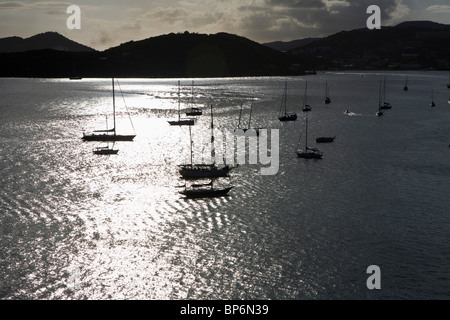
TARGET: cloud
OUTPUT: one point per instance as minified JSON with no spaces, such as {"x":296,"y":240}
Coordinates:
{"x":113,"y":22}
{"x":438,"y":9}
{"x":309,"y":4}
{"x":397,"y":11}
{"x":294,"y":19}
{"x":11,"y":5}
{"x":47,"y":7}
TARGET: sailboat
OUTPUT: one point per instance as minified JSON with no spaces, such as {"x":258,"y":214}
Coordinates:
{"x":448,"y":83}
{"x":246,"y":131}
{"x":379,"y":112}
{"x":193,"y":111}
{"x":287,"y":116}
{"x":181,"y":121}
{"x":105,"y":150}
{"x":205,"y":190}
{"x":193,"y":171}
{"x":325,"y":139}
{"x":405,"y":88}
{"x":309,"y":153}
{"x":432,"y":104}
{"x":326,"y":99}
{"x":385,"y":105}
{"x":109,"y":134}
{"x":306,"y":107}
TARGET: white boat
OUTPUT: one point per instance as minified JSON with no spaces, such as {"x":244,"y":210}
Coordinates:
{"x":109,"y":134}
{"x":307,"y":152}
{"x":284,"y":115}
{"x":181,"y":121}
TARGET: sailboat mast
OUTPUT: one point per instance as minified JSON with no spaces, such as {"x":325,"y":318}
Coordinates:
{"x":306,"y":134}
{"x":190,"y":141}
{"x":379,"y":97}
{"x":250,"y":118}
{"x":304,"y":96}
{"x":285,"y":97}
{"x":240,"y":115}
{"x":179,"y":101}
{"x":213,"y":152}
{"x":192,"y":93}
{"x":114,"y":107}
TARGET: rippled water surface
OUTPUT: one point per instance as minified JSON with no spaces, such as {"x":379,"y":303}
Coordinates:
{"x":74,"y":225}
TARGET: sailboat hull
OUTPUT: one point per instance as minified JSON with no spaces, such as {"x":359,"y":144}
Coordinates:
{"x":205,"y":193}
{"x":250,"y":132}
{"x":194,"y":112}
{"x":108,"y":137}
{"x":203,"y":171}
{"x":325,"y":139}
{"x":288,"y":117}
{"x":105,"y":151}
{"x":309,"y":155}
{"x":182,"y":122}
{"x":386,"y":106}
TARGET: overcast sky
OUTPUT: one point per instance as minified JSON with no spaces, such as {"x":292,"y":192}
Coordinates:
{"x":107,"y":23}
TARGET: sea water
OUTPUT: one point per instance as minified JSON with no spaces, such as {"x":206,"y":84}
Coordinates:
{"x":74,"y":225}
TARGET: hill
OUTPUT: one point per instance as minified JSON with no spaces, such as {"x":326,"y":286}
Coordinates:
{"x":198,"y":55}
{"x":409,"y":45}
{"x":172,"y":55}
{"x":289,"y":45}
{"x":42,"y":41}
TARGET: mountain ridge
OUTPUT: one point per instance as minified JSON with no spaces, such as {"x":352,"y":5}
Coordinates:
{"x":408,"y":45}
{"x":171,"y":55}
{"x":42,"y":41}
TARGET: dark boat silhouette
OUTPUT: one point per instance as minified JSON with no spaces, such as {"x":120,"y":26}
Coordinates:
{"x":286,"y":116}
{"x":181,"y":121}
{"x":109,"y":134}
{"x":202,"y":170}
{"x":325,"y":139}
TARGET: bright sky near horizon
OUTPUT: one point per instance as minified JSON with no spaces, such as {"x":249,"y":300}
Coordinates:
{"x":107,"y":23}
